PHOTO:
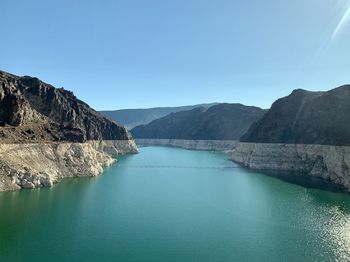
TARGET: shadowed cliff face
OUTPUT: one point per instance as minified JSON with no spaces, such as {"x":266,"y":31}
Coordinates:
{"x":31,"y":110}
{"x":131,"y":118}
{"x":220,"y":122}
{"x":306,"y":118}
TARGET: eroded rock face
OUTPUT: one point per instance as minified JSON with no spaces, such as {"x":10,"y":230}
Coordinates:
{"x":304,"y":133}
{"x":330,"y":163}
{"x":41,"y":165}
{"x":31,"y":110}
{"x":47,"y":134}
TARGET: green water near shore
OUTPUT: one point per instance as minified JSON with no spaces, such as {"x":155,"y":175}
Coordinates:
{"x":168,"y":204}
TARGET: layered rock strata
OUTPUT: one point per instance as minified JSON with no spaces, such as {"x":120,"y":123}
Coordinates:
{"x":40,"y":164}
{"x":330,"y":163}
{"x":306,"y":133}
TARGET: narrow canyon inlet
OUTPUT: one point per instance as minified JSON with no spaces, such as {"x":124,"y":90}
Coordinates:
{"x":168,"y":204}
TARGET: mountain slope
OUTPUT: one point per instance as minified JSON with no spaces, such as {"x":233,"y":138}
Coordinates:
{"x":220,"y":122}
{"x":31,"y":110}
{"x":134,"y":117}
{"x":306,"y":117}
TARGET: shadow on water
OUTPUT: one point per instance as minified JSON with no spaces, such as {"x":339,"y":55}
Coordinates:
{"x":302,"y":179}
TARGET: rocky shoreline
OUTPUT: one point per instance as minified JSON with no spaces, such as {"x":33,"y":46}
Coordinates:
{"x":321,"y":166}
{"x":329,"y":163}
{"x":47,"y":133}
{"x":36,"y":165}
{"x":209,"y":145}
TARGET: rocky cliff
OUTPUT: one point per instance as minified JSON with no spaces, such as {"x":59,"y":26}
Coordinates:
{"x":330,"y":163}
{"x":219,"y":122}
{"x":306,"y":117}
{"x":305,"y":133}
{"x":43,"y":164}
{"x":31,"y":110}
{"x":47,"y":134}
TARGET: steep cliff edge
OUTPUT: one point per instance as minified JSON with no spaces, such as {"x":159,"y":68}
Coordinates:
{"x":306,"y":133}
{"x":47,"y":134}
{"x":31,"y":110}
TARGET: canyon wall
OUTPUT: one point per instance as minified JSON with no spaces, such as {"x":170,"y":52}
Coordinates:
{"x":36,"y":165}
{"x":331,"y":163}
{"x":216,"y":145}
{"x":47,"y":133}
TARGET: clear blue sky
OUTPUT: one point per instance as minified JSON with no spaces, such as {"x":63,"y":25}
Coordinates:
{"x":142,"y":53}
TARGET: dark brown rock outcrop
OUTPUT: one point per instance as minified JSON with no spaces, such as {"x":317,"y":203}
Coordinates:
{"x":33,"y":111}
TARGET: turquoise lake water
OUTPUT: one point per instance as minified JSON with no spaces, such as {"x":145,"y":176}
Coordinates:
{"x":167,"y":204}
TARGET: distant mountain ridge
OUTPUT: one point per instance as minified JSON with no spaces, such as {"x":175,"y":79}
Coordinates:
{"x":306,"y":117}
{"x":131,"y":118}
{"x":219,"y":122}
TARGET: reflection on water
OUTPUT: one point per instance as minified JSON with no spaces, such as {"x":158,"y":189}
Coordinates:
{"x":337,"y":230}
{"x":165,"y":213}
